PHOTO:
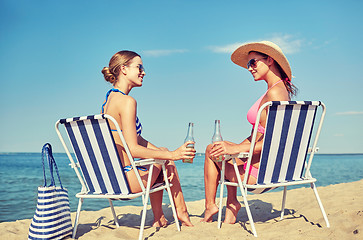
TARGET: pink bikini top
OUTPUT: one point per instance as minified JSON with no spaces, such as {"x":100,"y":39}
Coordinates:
{"x":252,"y":113}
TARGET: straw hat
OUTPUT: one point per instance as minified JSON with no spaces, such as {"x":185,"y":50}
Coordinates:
{"x":240,"y":55}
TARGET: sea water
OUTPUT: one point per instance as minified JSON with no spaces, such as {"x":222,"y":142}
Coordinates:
{"x":22,"y":173}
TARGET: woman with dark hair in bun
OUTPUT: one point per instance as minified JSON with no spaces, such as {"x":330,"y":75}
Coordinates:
{"x":126,"y":71}
{"x":266,"y":62}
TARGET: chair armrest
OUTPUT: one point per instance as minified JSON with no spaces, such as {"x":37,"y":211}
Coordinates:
{"x":75,"y":165}
{"x":149,"y":161}
{"x":238,"y":155}
{"x":310,"y":150}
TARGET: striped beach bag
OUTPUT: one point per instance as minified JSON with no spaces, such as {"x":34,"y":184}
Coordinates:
{"x":52,"y":219}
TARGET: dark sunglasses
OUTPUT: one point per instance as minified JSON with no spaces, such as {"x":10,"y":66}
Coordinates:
{"x":253,"y":62}
{"x":139,"y":66}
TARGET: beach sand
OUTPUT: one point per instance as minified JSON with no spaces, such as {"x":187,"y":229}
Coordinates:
{"x":303,"y":220}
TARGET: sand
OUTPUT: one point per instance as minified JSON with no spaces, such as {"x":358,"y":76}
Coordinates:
{"x":303,"y":220}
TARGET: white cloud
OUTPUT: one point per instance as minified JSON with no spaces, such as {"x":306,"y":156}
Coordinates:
{"x":225,"y":49}
{"x":349,"y":113}
{"x":286,"y":42}
{"x":163,"y":52}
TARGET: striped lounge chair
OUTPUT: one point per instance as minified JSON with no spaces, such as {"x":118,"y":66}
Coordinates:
{"x":102,"y":174}
{"x":283,"y":162}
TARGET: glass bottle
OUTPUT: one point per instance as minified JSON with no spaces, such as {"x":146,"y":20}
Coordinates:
{"x":189,"y":138}
{"x":217,"y":137}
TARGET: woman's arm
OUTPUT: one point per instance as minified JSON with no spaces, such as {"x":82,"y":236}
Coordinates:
{"x":145,"y":143}
{"x":225,"y":147}
{"x":127,"y":114}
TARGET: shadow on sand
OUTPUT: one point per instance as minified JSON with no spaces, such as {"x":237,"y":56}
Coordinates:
{"x":125,"y":220}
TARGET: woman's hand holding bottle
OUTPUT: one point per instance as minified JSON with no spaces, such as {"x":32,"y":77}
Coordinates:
{"x":217,"y":138}
{"x":223,"y":148}
{"x":189,"y":138}
{"x":184,"y":152}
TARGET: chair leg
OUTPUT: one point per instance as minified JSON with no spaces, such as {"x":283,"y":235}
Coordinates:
{"x":113,"y":213}
{"x":320,"y":204}
{"x":244,"y":195}
{"x":146,"y":199}
{"x":170,"y":198}
{"x":221,"y":195}
{"x":283,"y":203}
{"x":80,"y":201}
{"x":248,"y":211}
{"x":143,"y":199}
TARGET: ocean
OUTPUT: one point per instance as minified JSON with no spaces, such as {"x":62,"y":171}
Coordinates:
{"x":21,"y":174}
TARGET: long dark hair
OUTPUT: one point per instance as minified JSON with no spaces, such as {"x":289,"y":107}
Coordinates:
{"x":290,"y":87}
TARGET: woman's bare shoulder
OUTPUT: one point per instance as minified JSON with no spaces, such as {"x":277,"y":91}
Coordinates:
{"x":277,"y":94}
{"x":122,"y":104}
{"x":124,"y":100}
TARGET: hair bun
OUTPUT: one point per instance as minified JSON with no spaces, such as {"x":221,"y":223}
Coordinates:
{"x":108,"y":75}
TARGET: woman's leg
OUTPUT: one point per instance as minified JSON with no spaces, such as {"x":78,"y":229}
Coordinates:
{"x":156,"y":201}
{"x":177,"y":194}
{"x":233,"y":205}
{"x":211,"y":178}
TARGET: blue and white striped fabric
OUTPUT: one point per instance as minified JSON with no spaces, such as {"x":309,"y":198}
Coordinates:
{"x":95,"y":149}
{"x":288,"y":131}
{"x":138,"y":126}
{"x":52,"y":219}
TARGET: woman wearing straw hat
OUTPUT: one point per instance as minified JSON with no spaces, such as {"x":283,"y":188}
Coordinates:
{"x":266,"y":62}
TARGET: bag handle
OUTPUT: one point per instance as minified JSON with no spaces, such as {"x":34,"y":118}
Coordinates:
{"x":47,"y":153}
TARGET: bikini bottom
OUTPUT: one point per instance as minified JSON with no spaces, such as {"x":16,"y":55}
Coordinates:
{"x":253,"y":170}
{"x":129,"y":168}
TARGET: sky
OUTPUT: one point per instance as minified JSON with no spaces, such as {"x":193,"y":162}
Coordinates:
{"x":52,"y":54}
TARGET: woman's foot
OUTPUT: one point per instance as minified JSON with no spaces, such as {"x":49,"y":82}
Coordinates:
{"x":184,"y":218}
{"x":209,"y":212}
{"x":161,"y":222}
{"x":231,"y":212}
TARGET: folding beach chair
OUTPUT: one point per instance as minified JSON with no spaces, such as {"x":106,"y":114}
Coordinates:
{"x":289,"y":129}
{"x":102,"y":172}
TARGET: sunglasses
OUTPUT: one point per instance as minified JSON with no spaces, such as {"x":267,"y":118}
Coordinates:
{"x":139,"y":66}
{"x":253,"y":62}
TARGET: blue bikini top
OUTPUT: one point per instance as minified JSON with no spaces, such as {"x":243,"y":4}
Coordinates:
{"x":138,"y":123}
